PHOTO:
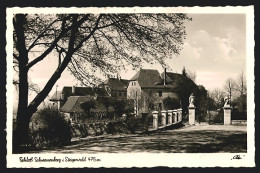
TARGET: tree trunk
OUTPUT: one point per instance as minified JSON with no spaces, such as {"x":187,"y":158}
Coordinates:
{"x":23,"y":117}
{"x":23,"y":114}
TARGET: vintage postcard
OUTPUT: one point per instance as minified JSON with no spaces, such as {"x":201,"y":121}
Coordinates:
{"x":130,"y":87}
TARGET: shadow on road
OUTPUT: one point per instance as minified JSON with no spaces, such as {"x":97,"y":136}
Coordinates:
{"x":169,"y":141}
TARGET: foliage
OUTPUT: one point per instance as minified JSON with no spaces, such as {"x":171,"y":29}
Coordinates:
{"x":129,"y":108}
{"x":217,"y":117}
{"x":211,"y":104}
{"x":171,"y":103}
{"x":132,"y":123}
{"x":184,"y":88}
{"x":106,"y":101}
{"x":119,"y":106}
{"x":217,"y":98}
{"x":240,"y":103}
{"x":87,"y":106}
{"x":48,"y":127}
{"x":147,"y":100}
{"x":201,"y":102}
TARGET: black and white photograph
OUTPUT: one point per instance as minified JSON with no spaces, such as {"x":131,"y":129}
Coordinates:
{"x":123,"y":87}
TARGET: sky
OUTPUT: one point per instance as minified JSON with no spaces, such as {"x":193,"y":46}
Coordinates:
{"x":215,"y":49}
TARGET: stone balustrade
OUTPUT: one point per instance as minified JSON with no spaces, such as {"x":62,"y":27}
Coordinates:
{"x":179,"y":114}
{"x":173,"y":117}
{"x":169,"y":117}
{"x":164,"y":117}
{"x":155,"y":120}
{"x":174,"y":112}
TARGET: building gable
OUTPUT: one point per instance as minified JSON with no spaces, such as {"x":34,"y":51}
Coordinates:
{"x":147,"y":77}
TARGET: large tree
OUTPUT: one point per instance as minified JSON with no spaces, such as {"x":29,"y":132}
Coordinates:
{"x":229,"y":87}
{"x":240,"y":84}
{"x":184,"y":87}
{"x":218,"y":96}
{"x":85,"y":44}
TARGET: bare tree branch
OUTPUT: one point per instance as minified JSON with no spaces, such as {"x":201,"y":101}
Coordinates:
{"x":54,"y":43}
{"x":41,"y":35}
{"x":90,"y":34}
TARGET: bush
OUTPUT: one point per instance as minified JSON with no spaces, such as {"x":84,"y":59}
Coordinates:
{"x":119,"y":107}
{"x":48,"y":127}
{"x":201,"y":117}
{"x":171,"y":103}
{"x":216,"y":118}
{"x":132,"y":123}
{"x":117,"y":128}
{"x":87,"y":106}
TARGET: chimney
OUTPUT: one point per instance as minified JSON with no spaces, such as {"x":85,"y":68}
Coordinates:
{"x":164,"y":80}
{"x":73,"y":89}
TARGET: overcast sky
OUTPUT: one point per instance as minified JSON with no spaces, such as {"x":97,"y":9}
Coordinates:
{"x":215,"y":48}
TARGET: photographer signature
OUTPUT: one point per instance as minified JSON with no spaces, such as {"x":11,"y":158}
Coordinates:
{"x":236,"y":157}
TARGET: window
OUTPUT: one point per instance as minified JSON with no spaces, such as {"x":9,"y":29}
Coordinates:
{"x":119,"y":94}
{"x":160,"y":93}
{"x":124,"y":94}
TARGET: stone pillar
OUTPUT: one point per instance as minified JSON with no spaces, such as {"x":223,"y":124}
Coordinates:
{"x":192,"y":115}
{"x":191,"y":109}
{"x":175,"y":115}
{"x":227,"y":115}
{"x":169,"y":116}
{"x":227,"y":111}
{"x":164,"y":117}
{"x":155,"y":120}
{"x":180,"y":114}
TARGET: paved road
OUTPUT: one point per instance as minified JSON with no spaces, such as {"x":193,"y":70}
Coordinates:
{"x":190,"y":139}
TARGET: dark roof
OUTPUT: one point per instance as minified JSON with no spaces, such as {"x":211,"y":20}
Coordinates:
{"x":73,"y":104}
{"x":79,"y":91}
{"x":147,"y":77}
{"x":100,"y":92}
{"x":69,"y":106}
{"x":117,"y":84}
{"x":171,"y":78}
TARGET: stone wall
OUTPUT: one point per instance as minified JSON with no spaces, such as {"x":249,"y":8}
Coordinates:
{"x":99,"y":128}
{"x":239,"y":122}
